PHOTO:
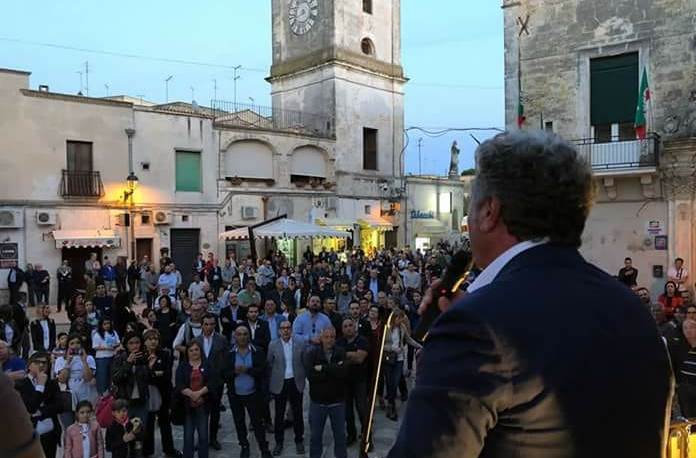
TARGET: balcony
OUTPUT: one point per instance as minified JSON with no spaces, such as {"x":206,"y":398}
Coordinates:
{"x":621,"y":154}
{"x":81,"y":184}
{"x":231,"y":114}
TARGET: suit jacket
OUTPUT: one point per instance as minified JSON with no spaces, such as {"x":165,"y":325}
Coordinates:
{"x":46,"y":404}
{"x":20,"y":277}
{"x":216,"y":358}
{"x":232,"y":321}
{"x":276,"y":362}
{"x":553,"y":359}
{"x":257,"y":371}
{"x":37,"y":335}
{"x":262,"y":335}
{"x":73,"y":441}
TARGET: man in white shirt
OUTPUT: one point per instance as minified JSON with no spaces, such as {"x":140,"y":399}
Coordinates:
{"x":287,"y":384}
{"x":168,"y":280}
{"x":195,"y":289}
{"x":679,"y":275}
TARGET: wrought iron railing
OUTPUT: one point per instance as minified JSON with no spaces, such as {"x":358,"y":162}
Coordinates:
{"x":620,"y":154}
{"x":252,"y":116}
{"x":81,"y":184}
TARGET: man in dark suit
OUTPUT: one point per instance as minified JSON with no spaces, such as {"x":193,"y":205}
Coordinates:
{"x":43,"y":330}
{"x":260,"y":332}
{"x":15,"y":278}
{"x":215,"y":348}
{"x":507,"y":371}
{"x":287,"y":384}
{"x":40,"y":396}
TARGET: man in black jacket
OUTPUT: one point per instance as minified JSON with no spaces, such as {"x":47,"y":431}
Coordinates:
{"x":260,"y":332}
{"x":244,"y":369}
{"x":43,"y":330}
{"x":65,"y":284}
{"x":15,"y":278}
{"x":40,"y":396}
{"x":326,"y":369}
{"x":215,"y":349}
{"x":507,"y":372}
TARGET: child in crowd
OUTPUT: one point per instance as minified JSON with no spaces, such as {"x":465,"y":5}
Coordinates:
{"x":61,"y":346}
{"x":123,"y":435}
{"x":84,"y":438}
{"x":92,"y":319}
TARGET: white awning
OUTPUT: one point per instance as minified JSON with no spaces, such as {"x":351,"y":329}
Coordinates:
{"x":285,"y":229}
{"x":376,"y":222}
{"x":337,"y":223}
{"x":86,"y":238}
{"x":429,"y":226}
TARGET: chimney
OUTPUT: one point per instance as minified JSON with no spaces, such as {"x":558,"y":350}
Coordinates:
{"x":43,"y":88}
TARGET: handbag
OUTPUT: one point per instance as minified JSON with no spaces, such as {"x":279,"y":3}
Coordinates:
{"x":154,"y":400}
{"x":177,"y":414}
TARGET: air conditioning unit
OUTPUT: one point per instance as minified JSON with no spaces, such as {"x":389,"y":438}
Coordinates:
{"x":11,"y":218}
{"x":45,"y":218}
{"x":331,"y":203}
{"x":250,"y":212}
{"x":161,"y":217}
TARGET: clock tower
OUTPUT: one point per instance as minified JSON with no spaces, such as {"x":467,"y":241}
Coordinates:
{"x":341,"y":59}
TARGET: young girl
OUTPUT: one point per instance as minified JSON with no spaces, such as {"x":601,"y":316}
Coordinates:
{"x":61,"y":346}
{"x":84,"y":435}
{"x":105,"y":341}
{"x":92,"y":319}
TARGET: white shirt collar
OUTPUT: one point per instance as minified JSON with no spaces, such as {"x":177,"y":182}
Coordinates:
{"x":486,"y":277}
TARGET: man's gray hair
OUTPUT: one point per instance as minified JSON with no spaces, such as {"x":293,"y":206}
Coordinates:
{"x":544,"y":186}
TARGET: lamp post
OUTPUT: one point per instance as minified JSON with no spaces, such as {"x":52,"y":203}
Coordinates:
{"x":131,"y":185}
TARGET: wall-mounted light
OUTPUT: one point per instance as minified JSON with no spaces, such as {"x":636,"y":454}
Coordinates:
{"x":132,"y":184}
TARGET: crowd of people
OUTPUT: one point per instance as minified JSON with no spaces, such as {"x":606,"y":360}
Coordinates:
{"x":145,"y":350}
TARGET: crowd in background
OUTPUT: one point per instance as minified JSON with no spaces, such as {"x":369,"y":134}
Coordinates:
{"x":146,"y":350}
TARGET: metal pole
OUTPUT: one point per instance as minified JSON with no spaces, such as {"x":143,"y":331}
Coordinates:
{"x":236,"y":69}
{"x":166,"y":88}
{"x":131,"y":133}
{"x":87,"y":78}
{"x":420,"y":159}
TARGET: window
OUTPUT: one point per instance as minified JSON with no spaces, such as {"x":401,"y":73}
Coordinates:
{"x":188,"y":171}
{"x":144,"y":219}
{"x":368,"y":209}
{"x":548,"y":126}
{"x":369,"y":148}
{"x":613,"y":96}
{"x":367,"y":6}
{"x":79,"y":156}
{"x":367,"y":47}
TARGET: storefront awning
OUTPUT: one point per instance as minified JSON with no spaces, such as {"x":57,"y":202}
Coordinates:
{"x":285,"y":229}
{"x":86,"y":238}
{"x":337,"y":223}
{"x":429,"y":226}
{"x":376,"y":222}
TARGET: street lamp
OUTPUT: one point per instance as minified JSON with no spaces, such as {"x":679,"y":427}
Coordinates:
{"x":132,"y":184}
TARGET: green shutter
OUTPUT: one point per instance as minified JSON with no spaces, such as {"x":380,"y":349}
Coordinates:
{"x":188,"y":171}
{"x":613,"y":89}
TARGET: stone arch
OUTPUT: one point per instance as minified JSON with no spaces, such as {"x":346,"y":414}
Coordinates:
{"x":367,"y":47}
{"x":310,"y":161}
{"x":249,"y":158}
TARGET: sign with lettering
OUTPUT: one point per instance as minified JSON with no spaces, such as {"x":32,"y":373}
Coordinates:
{"x":418,"y":214}
{"x":9,"y":253}
{"x":654,"y":227}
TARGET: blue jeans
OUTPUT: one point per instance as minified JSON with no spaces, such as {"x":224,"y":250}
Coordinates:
{"x":317,"y":420}
{"x":196,"y":421}
{"x":392,"y":375}
{"x":103,"y":375}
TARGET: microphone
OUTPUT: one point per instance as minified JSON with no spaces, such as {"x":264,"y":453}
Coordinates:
{"x":453,"y":276}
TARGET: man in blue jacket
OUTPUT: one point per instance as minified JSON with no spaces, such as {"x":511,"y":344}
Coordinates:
{"x":546,"y":356}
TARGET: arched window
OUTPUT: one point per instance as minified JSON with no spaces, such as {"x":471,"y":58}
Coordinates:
{"x":367,"y":6}
{"x":367,"y":47}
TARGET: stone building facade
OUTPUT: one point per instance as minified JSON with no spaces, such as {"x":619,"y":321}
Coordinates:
{"x":576,"y":67}
{"x":329,"y":150}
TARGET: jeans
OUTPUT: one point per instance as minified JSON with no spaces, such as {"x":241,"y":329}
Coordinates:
{"x":165,"y":426}
{"x":317,"y":419}
{"x":392,"y":376}
{"x":251,"y":404}
{"x":103,"y":375}
{"x":289,"y":393}
{"x":64,"y":294}
{"x":356,"y":395}
{"x":215,"y":401}
{"x":196,"y":421}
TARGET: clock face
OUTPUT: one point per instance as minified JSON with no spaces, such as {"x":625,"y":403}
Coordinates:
{"x":302,"y":15}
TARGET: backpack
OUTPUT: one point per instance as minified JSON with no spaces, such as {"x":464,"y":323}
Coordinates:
{"x":103,"y":410}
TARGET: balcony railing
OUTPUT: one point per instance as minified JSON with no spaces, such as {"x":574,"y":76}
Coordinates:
{"x":231,"y":114}
{"x":621,"y":154}
{"x":81,"y":184}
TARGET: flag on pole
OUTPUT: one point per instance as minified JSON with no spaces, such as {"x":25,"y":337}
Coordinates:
{"x":521,"y":118}
{"x":641,"y":122}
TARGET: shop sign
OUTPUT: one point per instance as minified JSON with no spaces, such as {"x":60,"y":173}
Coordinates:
{"x":419,"y":214}
{"x":9,"y":253}
{"x":654,"y":228}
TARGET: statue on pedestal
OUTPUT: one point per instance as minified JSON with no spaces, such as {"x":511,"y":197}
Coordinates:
{"x":454,"y":161}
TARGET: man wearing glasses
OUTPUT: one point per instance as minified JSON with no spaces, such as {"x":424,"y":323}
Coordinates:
{"x":40,"y":396}
{"x":287,"y":383}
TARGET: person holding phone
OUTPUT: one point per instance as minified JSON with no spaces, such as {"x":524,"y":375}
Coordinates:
{"x":130,"y":374}
{"x":81,"y":367}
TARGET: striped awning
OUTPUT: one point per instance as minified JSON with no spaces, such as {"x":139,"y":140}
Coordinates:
{"x":86,"y":238}
{"x":285,"y":229}
{"x":375,"y":222}
{"x":337,"y":223}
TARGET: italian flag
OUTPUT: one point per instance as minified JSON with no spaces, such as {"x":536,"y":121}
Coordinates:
{"x":641,"y":123}
{"x":521,"y":118}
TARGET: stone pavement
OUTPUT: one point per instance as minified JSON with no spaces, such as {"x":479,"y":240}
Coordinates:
{"x":385,"y":431}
